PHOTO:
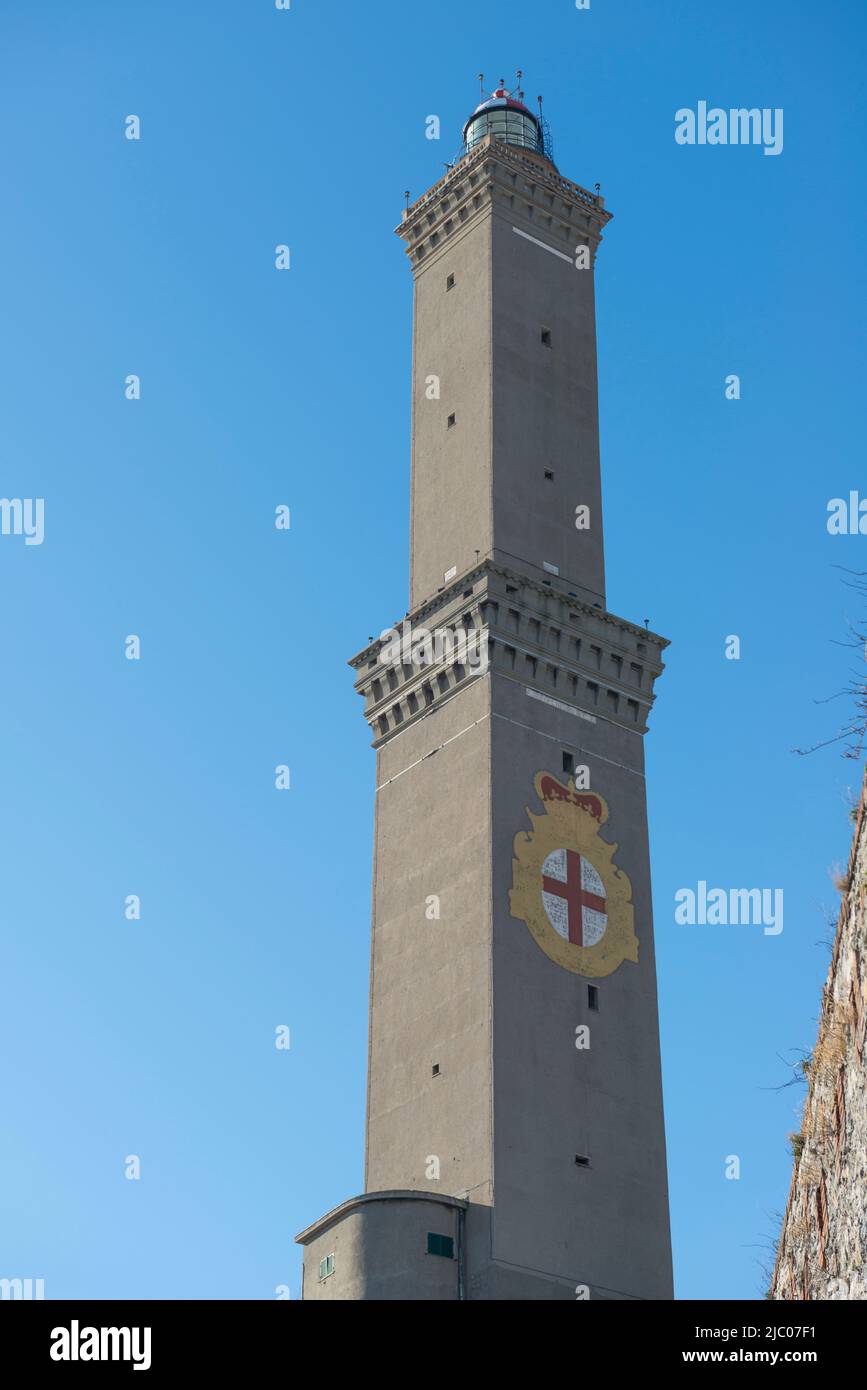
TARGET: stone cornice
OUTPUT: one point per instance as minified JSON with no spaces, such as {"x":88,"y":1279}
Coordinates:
{"x":439,"y":600}
{"x":582,"y":657}
{"x":488,"y":175}
{"x":539,"y":170}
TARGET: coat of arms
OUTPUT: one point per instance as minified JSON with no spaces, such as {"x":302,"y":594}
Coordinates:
{"x":566,"y":886}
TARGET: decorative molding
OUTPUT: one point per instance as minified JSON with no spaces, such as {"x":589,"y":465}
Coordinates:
{"x":495,"y":171}
{"x":568,"y":654}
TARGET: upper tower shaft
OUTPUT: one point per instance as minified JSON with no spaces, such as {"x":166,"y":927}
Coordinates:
{"x":505,"y":438}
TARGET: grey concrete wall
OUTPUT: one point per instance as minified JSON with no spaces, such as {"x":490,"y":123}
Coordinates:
{"x":545,"y":408}
{"x":606,"y":1225}
{"x":450,"y":514}
{"x":430,"y":998}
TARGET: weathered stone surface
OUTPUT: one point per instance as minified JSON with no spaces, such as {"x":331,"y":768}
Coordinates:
{"x":823,"y":1242}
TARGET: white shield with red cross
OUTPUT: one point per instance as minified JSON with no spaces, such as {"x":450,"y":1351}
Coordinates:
{"x":574,"y":897}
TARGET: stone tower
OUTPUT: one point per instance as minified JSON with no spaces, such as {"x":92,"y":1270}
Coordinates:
{"x":515,"y":1143}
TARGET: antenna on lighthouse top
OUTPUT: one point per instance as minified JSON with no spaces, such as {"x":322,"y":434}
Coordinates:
{"x":482,"y":85}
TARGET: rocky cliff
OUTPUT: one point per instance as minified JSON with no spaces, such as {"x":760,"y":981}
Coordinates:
{"x":823,"y":1243}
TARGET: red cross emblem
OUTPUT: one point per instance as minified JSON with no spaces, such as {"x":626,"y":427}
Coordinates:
{"x":574,"y":897}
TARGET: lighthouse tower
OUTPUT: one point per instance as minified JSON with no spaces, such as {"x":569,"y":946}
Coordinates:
{"x":515,"y":1145}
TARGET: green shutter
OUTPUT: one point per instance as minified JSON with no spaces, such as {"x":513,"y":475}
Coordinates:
{"x":440,"y":1245}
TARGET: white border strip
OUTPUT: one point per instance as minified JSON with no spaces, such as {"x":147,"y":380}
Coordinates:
{"x":431,"y":751}
{"x":559,"y":704}
{"x":544,"y":245}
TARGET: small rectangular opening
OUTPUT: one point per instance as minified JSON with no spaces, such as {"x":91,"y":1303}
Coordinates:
{"x":593,"y":998}
{"x":450,"y":423}
{"x":549,"y":475}
{"x":450,"y":282}
{"x":326,"y":1267}
{"x":435,"y":1069}
{"x":546,"y":337}
{"x":568,"y":762}
{"x":440,"y":1245}
{"x":582,"y":1160}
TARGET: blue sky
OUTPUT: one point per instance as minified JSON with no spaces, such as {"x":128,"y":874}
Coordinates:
{"x":155,"y":777}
